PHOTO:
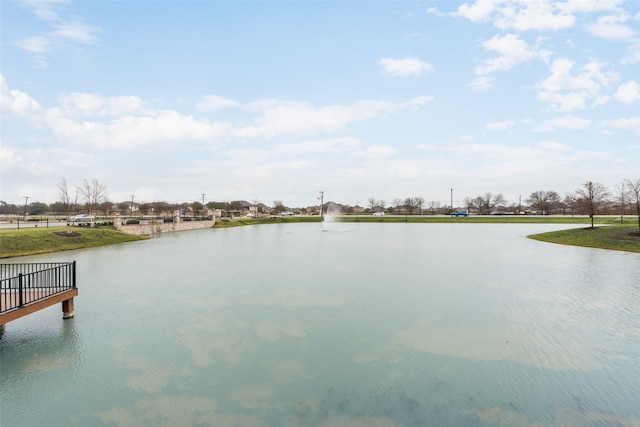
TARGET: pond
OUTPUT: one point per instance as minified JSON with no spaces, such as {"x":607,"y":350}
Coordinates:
{"x":351,"y":325}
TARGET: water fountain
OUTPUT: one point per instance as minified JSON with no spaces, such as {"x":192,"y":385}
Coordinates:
{"x":331,"y":222}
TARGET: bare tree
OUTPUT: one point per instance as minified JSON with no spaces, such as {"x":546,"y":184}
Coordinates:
{"x":469,"y":204}
{"x":571,"y":201}
{"x":278,"y":206}
{"x":419,"y":203}
{"x":544,"y":201}
{"x":375,"y":205}
{"x":433,"y":207}
{"x":633,"y":195}
{"x":93,"y":194}
{"x":621,"y":193}
{"x":484,"y":204}
{"x":491,"y":201}
{"x":398,"y":204}
{"x":592,"y":196}
{"x":66,"y":200}
{"x":409,"y":205}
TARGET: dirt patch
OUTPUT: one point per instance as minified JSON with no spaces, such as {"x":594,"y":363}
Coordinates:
{"x":65,"y":234}
{"x":635,"y":233}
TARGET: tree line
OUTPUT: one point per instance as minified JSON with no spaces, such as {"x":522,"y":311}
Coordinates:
{"x":591,"y":198}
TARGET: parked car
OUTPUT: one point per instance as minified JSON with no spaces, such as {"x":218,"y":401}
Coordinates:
{"x":461,"y":213}
{"x":378,"y":214}
{"x":81,"y":218}
{"x":287,"y":213}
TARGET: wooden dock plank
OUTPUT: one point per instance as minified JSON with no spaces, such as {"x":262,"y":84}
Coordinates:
{"x":32,"y":307}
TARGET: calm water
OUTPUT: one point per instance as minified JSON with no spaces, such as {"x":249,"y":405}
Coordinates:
{"x":361,"y":325}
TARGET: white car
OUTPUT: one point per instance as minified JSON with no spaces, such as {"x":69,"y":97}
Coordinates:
{"x":81,"y":218}
{"x":378,"y":214}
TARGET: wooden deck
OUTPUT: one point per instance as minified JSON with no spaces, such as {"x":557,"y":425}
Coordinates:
{"x":35,"y":300}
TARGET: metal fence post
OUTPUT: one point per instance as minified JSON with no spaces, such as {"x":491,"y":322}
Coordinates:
{"x":20,"y":301}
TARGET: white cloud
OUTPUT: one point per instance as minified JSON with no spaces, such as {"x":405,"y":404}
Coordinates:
{"x":554,"y":146}
{"x":518,"y":15}
{"x":376,"y":152}
{"x":134,"y":131}
{"x":75,"y":31}
{"x":539,"y":15}
{"x":567,"y":122}
{"x":628,"y":92}
{"x":479,"y":11}
{"x":500,"y":125}
{"x":331,"y":145}
{"x":567,"y":92}
{"x":512,"y":49}
{"x":588,"y":6}
{"x":215,"y":103}
{"x":405,"y":67}
{"x":610,"y":31}
{"x":36,"y":44}
{"x":481,"y":84}
{"x":632,"y":123}
{"x":303,"y":118}
{"x":534,"y":15}
{"x":61,"y":31}
{"x":15,"y":101}
{"x":43,"y":9}
{"x":89,"y":104}
{"x":9,"y":159}
{"x":610,"y":27}
{"x":123,"y":122}
{"x":633,"y":54}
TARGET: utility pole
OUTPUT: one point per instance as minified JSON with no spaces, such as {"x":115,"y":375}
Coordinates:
{"x":519,"y":203}
{"x":321,"y":203}
{"x":202,"y":204}
{"x":131,"y":210}
{"x":26,"y":199}
{"x":451,"y":207}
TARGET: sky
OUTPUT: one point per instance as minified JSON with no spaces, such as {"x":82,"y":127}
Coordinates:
{"x":269,"y":101}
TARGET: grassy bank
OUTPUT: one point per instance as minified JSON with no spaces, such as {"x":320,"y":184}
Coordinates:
{"x":42,"y":240}
{"x":616,"y":237}
{"x":240,"y":221}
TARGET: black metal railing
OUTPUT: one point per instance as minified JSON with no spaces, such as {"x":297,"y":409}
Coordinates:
{"x":22,"y":284}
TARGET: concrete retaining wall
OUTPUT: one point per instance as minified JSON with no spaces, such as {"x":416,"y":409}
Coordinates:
{"x":147,"y":227}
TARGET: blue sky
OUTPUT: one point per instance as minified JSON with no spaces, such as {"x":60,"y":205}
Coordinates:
{"x":265,"y":101}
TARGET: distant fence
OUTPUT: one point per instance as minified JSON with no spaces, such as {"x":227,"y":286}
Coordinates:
{"x":18,"y":223}
{"x":22,"y":284}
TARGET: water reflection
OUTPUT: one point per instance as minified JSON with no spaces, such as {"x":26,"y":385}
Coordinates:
{"x":289,"y":325}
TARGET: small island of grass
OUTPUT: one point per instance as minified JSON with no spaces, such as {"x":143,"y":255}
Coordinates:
{"x":614,"y":237}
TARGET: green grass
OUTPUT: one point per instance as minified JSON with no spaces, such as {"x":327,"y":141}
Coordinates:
{"x":615,"y":237}
{"x":240,"y":221}
{"x":30,"y":241}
